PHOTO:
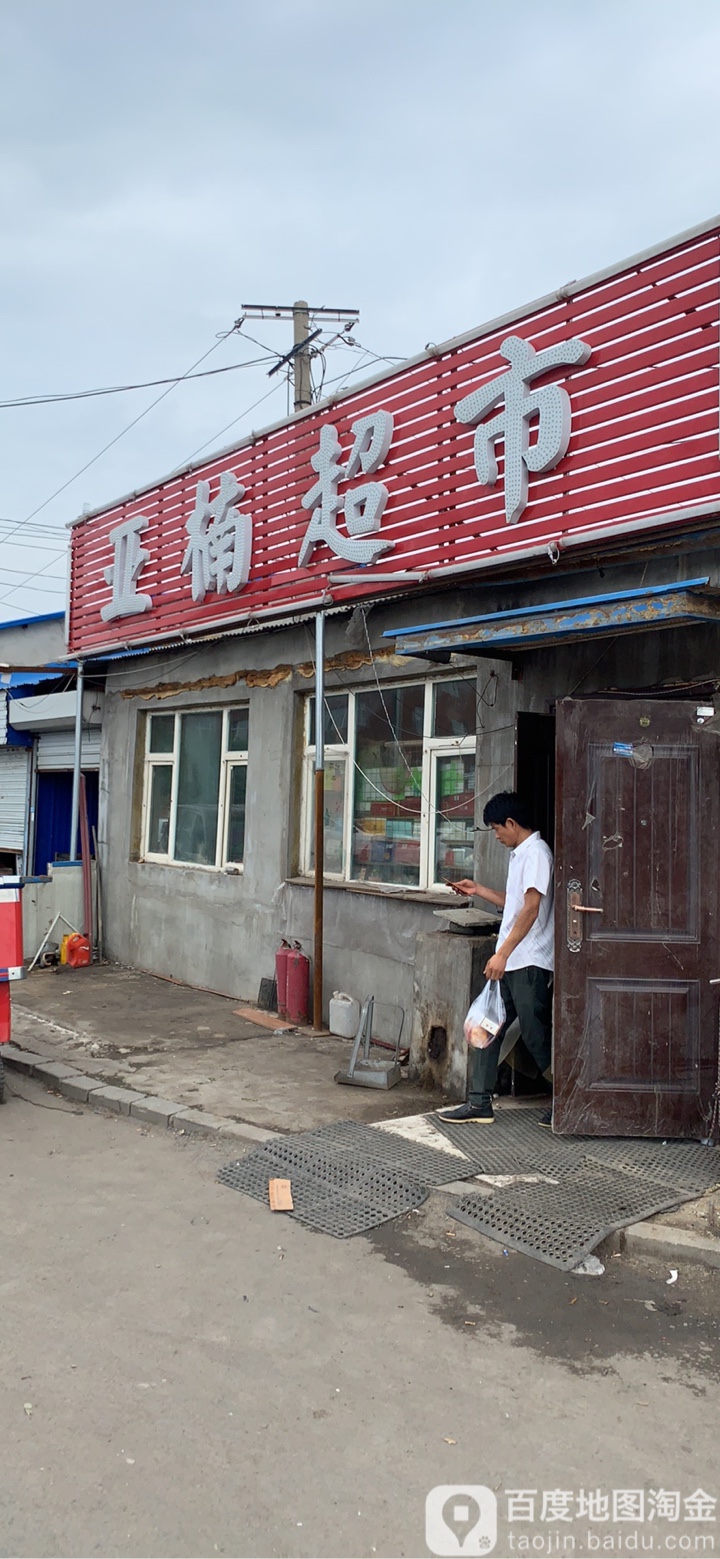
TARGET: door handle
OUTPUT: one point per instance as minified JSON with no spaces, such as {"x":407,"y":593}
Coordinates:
{"x":575,"y":910}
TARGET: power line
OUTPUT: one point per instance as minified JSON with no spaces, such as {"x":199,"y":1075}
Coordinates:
{"x":121,"y":389}
{"x":39,"y":572}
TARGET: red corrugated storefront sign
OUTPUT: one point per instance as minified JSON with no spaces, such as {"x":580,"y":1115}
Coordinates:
{"x":457,"y":460}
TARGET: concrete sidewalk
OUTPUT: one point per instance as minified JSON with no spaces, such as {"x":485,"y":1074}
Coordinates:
{"x":170,"y":1041}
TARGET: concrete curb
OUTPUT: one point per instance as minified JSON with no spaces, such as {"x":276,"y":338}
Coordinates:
{"x":662,"y":1239}
{"x":82,"y":1087}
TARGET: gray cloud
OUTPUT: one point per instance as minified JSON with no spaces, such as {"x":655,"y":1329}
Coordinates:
{"x":431,"y":165}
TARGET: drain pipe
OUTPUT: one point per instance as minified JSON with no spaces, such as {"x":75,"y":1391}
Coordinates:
{"x":319,"y":818}
{"x":77,"y":763}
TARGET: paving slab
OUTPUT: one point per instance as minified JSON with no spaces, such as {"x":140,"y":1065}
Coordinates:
{"x":78,"y":1087}
{"x":196,"y":1120}
{"x":675,"y":1244}
{"x":156,"y":1112}
{"x":117,"y":1099}
{"x":53,"y":1071}
{"x":24,"y":1060}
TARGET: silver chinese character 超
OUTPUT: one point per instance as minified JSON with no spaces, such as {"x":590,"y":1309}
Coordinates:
{"x":128,"y":563}
{"x":219,"y":548}
{"x":551,"y":404}
{"x":363,"y":507}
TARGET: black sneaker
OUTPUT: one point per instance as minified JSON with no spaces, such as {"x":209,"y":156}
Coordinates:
{"x":545,"y":1118}
{"x":482,"y":1113}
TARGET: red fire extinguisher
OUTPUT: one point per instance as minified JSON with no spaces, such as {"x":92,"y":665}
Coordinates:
{"x":281,"y":963}
{"x":298,"y":985}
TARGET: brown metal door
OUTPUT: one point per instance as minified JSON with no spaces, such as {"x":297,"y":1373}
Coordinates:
{"x":635,"y":1049}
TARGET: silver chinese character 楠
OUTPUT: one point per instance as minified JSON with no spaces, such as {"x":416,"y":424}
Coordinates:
{"x":128,"y":563}
{"x":551,"y":404}
{"x":219,"y":549}
{"x":363,"y":507}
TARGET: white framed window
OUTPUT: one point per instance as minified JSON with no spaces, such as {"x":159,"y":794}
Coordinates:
{"x":195,"y":787}
{"x":399,"y":783}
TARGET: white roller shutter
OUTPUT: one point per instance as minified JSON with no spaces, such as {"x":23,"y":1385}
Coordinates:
{"x":56,"y":749}
{"x":14,"y":776}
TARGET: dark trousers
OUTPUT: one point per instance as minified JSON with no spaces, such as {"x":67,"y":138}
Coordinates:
{"x":527,"y":994}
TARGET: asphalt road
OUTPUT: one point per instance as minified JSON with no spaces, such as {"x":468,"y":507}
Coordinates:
{"x":185,"y":1373}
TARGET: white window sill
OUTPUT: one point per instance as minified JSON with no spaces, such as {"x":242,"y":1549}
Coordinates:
{"x":380,"y":890}
{"x":189,"y":866}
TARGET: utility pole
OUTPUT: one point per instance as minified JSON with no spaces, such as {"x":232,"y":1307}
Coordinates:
{"x":300,"y":355}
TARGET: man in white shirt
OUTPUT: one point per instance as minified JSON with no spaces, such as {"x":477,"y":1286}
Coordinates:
{"x":524,"y":959}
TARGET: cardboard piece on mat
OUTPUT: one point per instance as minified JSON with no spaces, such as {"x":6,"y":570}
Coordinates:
{"x":280,"y":1194}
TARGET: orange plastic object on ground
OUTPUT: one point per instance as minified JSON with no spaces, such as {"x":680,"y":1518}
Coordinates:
{"x":77,"y":951}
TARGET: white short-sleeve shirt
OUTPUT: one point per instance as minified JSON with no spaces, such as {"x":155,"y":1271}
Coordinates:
{"x":531,"y":866}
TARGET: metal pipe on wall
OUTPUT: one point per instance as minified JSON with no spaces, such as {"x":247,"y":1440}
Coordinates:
{"x":77,"y":763}
{"x":319,"y":817}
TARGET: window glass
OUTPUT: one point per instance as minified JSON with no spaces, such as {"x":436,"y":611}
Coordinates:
{"x":162,"y":733}
{"x":334,"y":816}
{"x":238,"y":730}
{"x":158,"y":840}
{"x":198,"y":788}
{"x":237,"y":788}
{"x":336,"y":719}
{"x":388,"y":785}
{"x":454,"y":708}
{"x":455,"y":817}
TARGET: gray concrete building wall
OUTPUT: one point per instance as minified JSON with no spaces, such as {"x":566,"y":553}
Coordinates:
{"x":221,"y":931}
{"x":32,"y":643}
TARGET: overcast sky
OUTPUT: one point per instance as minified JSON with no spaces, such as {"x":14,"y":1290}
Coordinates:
{"x":432,"y":164}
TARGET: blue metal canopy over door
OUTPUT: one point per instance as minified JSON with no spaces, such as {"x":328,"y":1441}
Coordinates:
{"x":626,"y":611}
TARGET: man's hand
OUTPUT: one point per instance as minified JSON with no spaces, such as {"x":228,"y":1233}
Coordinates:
{"x":495,"y":967}
{"x":466,"y":887}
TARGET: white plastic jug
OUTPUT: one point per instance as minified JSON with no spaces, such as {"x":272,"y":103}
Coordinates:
{"x":344,"y":1015}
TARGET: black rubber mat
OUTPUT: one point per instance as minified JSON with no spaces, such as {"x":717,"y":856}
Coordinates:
{"x":428,"y":1164}
{"x":687,"y":1165}
{"x":560,"y":1224}
{"x":518,"y":1144}
{"x":334,"y":1193}
{"x":515,"y":1144}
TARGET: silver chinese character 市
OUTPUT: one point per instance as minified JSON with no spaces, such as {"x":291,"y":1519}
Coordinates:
{"x":129,"y":561}
{"x":363,"y":506}
{"x":219,"y":550}
{"x":551,"y":404}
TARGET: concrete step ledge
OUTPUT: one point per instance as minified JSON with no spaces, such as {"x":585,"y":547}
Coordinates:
{"x":82,"y":1087}
{"x":670,"y":1243}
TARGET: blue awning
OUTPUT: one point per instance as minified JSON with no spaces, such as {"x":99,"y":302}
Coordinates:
{"x":559,"y":622}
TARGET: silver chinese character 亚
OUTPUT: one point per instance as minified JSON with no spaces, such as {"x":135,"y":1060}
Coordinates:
{"x":551,"y":404}
{"x":129,"y":561}
{"x":363,"y":506}
{"x":521,"y":1504}
{"x":219,"y":549}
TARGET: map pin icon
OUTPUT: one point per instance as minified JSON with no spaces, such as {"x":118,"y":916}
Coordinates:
{"x":461,"y":1514}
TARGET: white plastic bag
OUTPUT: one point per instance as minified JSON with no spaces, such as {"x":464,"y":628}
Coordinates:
{"x":486,"y":1017}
